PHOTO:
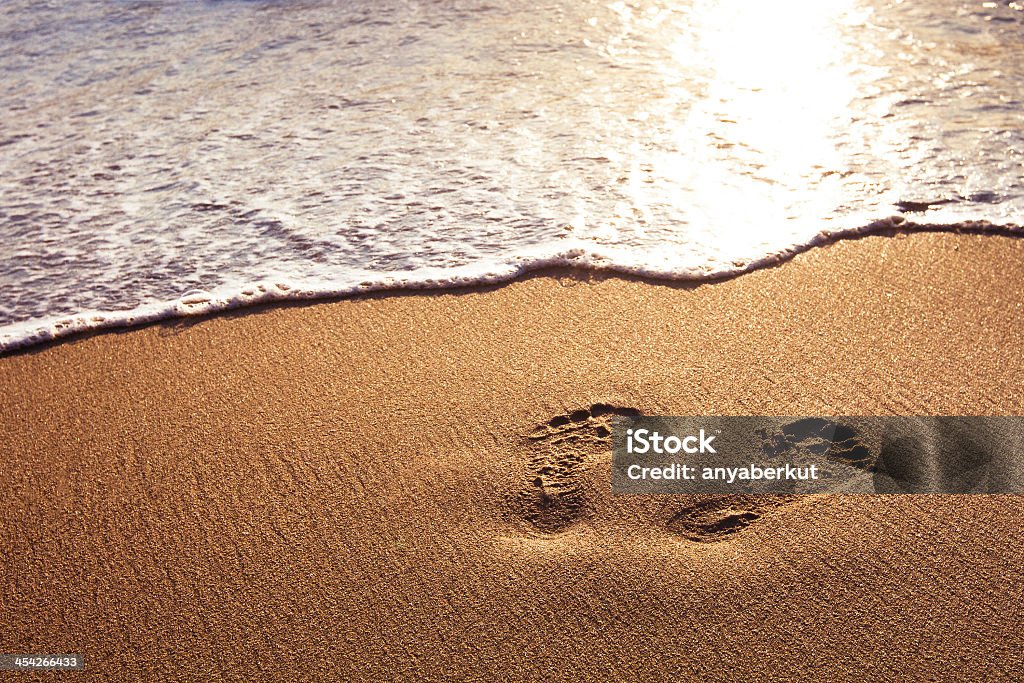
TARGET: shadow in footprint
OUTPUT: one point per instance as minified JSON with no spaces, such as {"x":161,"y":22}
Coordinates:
{"x":821,"y":436}
{"x":715,"y":518}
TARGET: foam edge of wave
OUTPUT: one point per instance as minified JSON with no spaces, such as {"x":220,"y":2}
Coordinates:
{"x":25,"y":335}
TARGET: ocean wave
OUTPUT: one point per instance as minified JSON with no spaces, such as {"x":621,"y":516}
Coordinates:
{"x":253,"y":152}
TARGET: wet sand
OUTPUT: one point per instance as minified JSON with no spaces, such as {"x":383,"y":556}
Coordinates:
{"x":348,"y":490}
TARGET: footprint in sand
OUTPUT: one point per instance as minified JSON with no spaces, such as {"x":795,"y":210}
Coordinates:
{"x":715,"y":518}
{"x":821,"y":437}
{"x":554,"y":497}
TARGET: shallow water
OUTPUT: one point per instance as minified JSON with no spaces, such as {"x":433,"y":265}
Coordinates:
{"x":162,"y":158}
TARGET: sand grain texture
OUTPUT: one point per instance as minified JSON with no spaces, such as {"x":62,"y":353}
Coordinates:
{"x":349,"y":490}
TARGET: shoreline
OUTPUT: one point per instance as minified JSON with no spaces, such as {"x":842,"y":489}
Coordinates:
{"x":344,"y":490}
{"x":45,"y":332}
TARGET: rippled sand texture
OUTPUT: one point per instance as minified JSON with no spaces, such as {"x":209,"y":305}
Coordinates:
{"x":153,"y":148}
{"x":416,"y":488}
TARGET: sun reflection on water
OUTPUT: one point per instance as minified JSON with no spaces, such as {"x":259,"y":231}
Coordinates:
{"x":745,"y":131}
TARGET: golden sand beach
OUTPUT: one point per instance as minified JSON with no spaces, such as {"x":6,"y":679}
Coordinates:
{"x":346,"y":490}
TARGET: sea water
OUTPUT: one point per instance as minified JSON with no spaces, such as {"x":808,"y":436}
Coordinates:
{"x":162,"y":158}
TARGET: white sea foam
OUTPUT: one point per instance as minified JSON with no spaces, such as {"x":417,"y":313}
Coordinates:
{"x":153,"y":150}
{"x":228,"y":297}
